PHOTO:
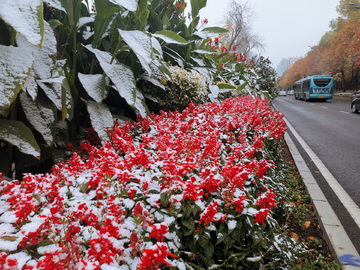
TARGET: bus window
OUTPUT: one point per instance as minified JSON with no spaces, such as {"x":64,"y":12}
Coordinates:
{"x":322,"y":82}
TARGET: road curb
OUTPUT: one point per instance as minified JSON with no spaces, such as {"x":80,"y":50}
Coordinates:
{"x":334,"y":233}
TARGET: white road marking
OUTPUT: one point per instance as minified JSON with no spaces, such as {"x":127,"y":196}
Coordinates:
{"x":324,"y":107}
{"x":345,"y":199}
{"x":344,"y":112}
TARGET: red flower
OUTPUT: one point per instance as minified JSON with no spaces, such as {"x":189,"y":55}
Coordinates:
{"x":209,"y":214}
{"x":206,"y":21}
{"x":154,"y":257}
{"x":261,"y":216}
{"x":177,"y":6}
{"x":159,"y":230}
{"x":266,"y":200}
{"x":221,"y":66}
{"x":234,"y":48}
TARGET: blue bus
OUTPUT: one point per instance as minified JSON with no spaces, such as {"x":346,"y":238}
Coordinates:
{"x":318,"y":87}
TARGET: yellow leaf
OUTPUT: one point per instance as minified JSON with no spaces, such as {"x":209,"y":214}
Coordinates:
{"x":295,"y":236}
{"x":311,"y":238}
{"x":307,"y":224}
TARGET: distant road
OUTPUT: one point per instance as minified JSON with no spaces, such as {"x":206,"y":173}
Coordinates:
{"x":332,"y":131}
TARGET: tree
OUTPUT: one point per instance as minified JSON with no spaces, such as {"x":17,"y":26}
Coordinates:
{"x":238,"y":22}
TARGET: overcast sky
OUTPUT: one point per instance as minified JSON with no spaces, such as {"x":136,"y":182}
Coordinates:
{"x":288,"y":27}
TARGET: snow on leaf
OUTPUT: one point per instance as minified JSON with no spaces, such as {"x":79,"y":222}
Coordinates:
{"x":55,"y":3}
{"x":120,"y":74}
{"x":19,"y":135}
{"x":84,"y":20}
{"x":15,"y":67}
{"x":94,"y":85}
{"x":156,"y":47}
{"x":45,"y":57}
{"x":54,"y":88}
{"x":209,"y":32}
{"x":170,"y":37}
{"x":30,"y":85}
{"x":140,"y":44}
{"x":26,"y":17}
{"x":41,"y":115}
{"x":140,"y":104}
{"x":214,"y":89}
{"x":100,"y":117}
{"x":130,"y":5}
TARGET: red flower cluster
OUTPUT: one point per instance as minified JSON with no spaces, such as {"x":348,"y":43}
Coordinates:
{"x":110,"y":207}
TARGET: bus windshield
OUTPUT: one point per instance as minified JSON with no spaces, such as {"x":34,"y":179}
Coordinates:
{"x":322,"y":82}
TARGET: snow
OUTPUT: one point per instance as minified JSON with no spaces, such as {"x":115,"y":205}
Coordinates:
{"x":7,"y":228}
{"x":120,"y":74}
{"x":101,"y":118}
{"x":25,"y":17}
{"x":140,"y":44}
{"x":21,"y":258}
{"x":94,"y":84}
{"x":15,"y":67}
{"x":49,"y":248}
{"x":130,"y":5}
{"x":42,"y":117}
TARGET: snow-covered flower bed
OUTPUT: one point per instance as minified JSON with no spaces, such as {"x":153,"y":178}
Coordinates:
{"x":190,"y":191}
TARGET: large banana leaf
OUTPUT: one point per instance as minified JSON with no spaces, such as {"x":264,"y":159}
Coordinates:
{"x":170,"y":37}
{"x":26,"y":17}
{"x":94,"y":85}
{"x":42,"y":116}
{"x":15,"y":67}
{"x":120,"y":74}
{"x":140,"y":44}
{"x":58,"y":91}
{"x":101,"y":118}
{"x":19,"y":135}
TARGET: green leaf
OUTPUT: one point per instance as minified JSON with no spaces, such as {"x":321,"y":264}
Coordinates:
{"x":170,"y":37}
{"x":45,"y":243}
{"x":15,"y":67}
{"x":42,"y":116}
{"x":120,"y":74}
{"x":101,"y":118}
{"x":19,"y":135}
{"x":164,"y":199}
{"x":236,"y":234}
{"x":26,"y":17}
{"x":241,"y":86}
{"x":84,"y":187}
{"x":209,"y":251}
{"x":37,"y":198}
{"x":215,"y":30}
{"x":204,"y":240}
{"x":187,"y":209}
{"x":54,"y":23}
{"x":221,"y":235}
{"x":226,"y":86}
{"x":143,"y":13}
{"x":189,"y":224}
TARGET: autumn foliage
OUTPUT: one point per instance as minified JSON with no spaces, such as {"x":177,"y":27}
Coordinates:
{"x":339,"y":56}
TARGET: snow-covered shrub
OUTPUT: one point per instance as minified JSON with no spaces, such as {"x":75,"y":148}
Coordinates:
{"x":190,"y":190}
{"x":184,"y":87}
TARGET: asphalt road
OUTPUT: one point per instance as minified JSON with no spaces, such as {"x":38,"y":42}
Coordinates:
{"x":332,"y":131}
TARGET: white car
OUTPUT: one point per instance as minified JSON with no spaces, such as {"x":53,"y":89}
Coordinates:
{"x":282,"y":93}
{"x":290,"y":92}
